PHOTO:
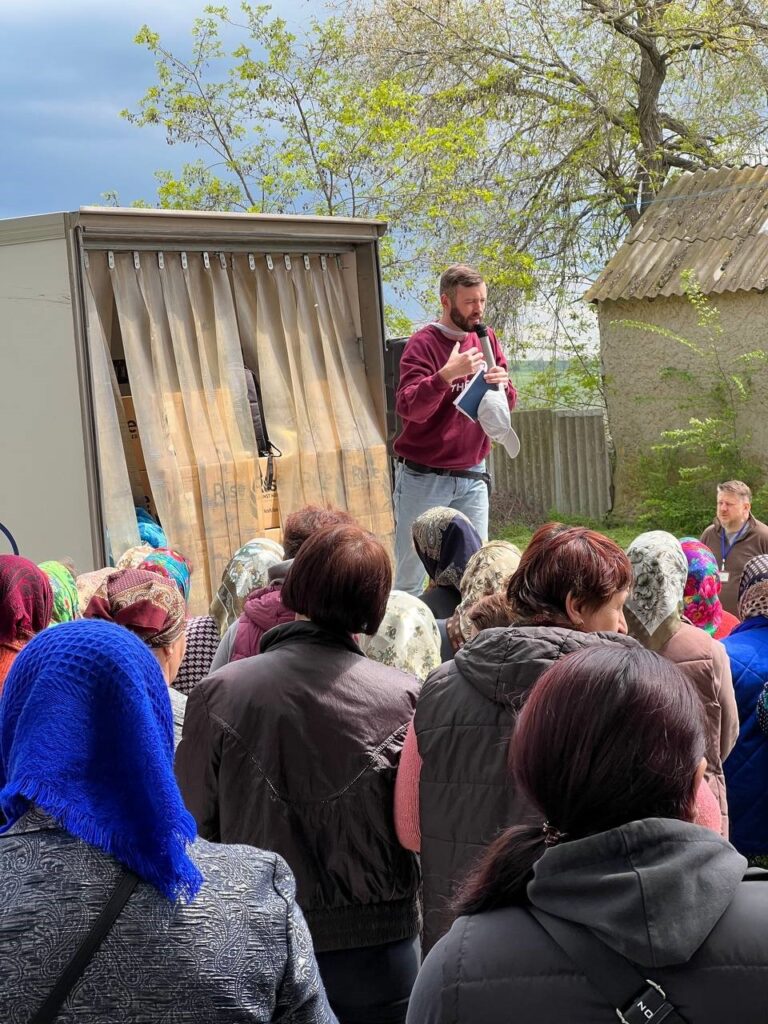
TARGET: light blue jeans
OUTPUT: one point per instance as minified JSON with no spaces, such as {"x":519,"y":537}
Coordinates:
{"x":416,"y":493}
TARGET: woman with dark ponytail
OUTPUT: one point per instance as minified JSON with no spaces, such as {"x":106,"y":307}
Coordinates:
{"x":453,"y":795}
{"x":609,"y":749}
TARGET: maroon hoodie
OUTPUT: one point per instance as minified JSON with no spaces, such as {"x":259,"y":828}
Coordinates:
{"x":262,"y":610}
{"x":434,"y":432}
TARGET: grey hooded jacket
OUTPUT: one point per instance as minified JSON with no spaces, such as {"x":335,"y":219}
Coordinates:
{"x":464,"y":720}
{"x":665,"y":894}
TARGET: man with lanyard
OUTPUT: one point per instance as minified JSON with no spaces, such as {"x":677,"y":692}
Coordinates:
{"x":440,"y":452}
{"x":734,"y":538}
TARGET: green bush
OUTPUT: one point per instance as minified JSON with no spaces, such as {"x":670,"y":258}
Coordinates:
{"x":679,"y":477}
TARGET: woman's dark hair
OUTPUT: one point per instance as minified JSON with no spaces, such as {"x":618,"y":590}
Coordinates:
{"x":610,"y":734}
{"x":490,"y":611}
{"x":340,"y":579}
{"x":562,"y":560}
{"x":301,"y":524}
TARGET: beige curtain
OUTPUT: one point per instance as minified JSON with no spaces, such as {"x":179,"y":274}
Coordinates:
{"x":188,"y":323}
{"x":298,"y":334}
{"x":182,"y":351}
{"x":117,"y":497}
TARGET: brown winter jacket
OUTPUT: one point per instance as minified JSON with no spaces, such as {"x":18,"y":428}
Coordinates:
{"x":754,"y":541}
{"x":705,"y":662}
{"x":296,"y":751}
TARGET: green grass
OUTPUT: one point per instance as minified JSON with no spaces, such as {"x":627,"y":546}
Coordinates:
{"x":622,"y":533}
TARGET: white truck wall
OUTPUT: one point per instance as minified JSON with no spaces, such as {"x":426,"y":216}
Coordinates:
{"x":44,"y":493}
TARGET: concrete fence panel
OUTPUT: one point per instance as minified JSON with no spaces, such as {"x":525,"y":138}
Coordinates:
{"x":563,"y":463}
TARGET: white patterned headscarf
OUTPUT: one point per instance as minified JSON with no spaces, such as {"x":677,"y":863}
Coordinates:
{"x":655,"y":605}
{"x":246,"y":572}
{"x":408,"y":637}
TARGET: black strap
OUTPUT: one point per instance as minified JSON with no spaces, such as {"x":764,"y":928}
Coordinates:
{"x":11,"y":540}
{"x":636,"y":999}
{"x":464,"y":474}
{"x":82,"y":957}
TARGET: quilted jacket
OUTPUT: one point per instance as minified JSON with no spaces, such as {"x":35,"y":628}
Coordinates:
{"x":746,"y":770}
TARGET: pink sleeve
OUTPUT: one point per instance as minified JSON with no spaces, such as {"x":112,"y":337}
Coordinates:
{"x":706,"y":810}
{"x":407,"y":794}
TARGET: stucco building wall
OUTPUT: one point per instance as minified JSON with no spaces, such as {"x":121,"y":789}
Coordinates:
{"x":642,"y":403}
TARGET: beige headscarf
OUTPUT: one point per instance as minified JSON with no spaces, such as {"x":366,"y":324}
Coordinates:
{"x":132,"y":558}
{"x":89,"y":582}
{"x":487,"y":572}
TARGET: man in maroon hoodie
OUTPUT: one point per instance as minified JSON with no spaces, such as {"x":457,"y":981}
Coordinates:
{"x":440,"y":452}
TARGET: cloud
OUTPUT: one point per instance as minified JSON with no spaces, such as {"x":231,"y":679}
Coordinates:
{"x":22,"y":12}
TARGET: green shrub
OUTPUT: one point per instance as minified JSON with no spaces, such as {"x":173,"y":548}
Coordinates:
{"x":679,"y":477}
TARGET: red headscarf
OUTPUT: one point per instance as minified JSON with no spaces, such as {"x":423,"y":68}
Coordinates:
{"x":26,"y":600}
{"x":144,"y":602}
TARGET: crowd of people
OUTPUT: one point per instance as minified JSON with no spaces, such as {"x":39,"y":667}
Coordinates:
{"x":331,"y":800}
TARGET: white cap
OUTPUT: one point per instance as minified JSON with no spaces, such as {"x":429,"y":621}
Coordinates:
{"x":493,"y":415}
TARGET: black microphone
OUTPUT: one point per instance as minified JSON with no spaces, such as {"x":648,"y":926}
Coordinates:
{"x":482,"y":332}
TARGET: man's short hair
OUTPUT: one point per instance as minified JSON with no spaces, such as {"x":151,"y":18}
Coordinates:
{"x":737,"y":487}
{"x":459,"y":274}
{"x":300,"y":525}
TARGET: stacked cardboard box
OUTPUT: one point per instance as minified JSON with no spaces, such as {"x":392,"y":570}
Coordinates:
{"x":221,"y":502}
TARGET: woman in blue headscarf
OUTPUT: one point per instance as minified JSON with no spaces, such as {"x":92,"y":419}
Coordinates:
{"x":93,"y":815}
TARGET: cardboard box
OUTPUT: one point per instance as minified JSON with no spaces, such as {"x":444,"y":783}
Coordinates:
{"x":135,"y":454}
{"x":142,"y":492}
{"x":275,"y":535}
{"x":269,"y":501}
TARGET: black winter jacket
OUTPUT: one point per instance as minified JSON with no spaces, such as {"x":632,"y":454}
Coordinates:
{"x":296,"y":751}
{"x":667,"y":895}
{"x":464,"y":720}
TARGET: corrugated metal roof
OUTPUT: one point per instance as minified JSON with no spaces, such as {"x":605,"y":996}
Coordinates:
{"x":712,"y":222}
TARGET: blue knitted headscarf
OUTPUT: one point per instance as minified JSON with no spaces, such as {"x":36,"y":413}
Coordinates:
{"x":86,"y":734}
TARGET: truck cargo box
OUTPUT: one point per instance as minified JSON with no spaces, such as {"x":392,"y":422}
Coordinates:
{"x":125,"y":336}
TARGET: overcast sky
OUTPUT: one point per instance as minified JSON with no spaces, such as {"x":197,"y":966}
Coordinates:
{"x":67,"y":68}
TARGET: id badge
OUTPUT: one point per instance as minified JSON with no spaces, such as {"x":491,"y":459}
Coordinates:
{"x":724,"y":576}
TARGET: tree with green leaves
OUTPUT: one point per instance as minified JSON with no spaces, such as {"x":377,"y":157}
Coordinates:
{"x":588,"y":107}
{"x":526,"y":136}
{"x":289,"y":124}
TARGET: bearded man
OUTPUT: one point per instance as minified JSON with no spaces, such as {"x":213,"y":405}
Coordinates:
{"x":440,"y":452}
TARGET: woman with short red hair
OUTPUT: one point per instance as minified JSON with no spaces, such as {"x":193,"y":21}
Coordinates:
{"x":297,"y":751}
{"x":567,"y":593}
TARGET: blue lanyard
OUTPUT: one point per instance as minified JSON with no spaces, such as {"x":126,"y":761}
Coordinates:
{"x":726,"y":551}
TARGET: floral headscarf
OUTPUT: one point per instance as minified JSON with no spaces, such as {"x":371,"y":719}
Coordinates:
{"x":487,"y":572}
{"x":88,"y":583}
{"x":408,"y":637}
{"x":66,"y":604}
{"x":246,"y":572}
{"x":144,"y":602}
{"x":701,"y":603}
{"x":172,"y":566}
{"x":753,"y":588}
{"x":445,"y":540}
{"x":26,"y":600}
{"x":654,"y":606}
{"x":133,"y":557}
